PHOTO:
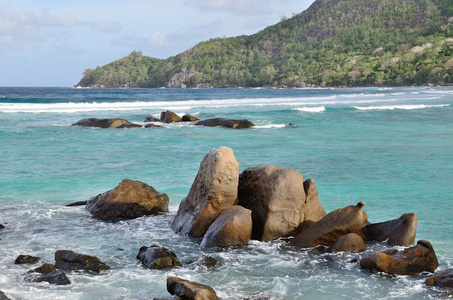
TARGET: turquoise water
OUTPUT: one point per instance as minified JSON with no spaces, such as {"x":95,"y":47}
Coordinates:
{"x":391,"y":148}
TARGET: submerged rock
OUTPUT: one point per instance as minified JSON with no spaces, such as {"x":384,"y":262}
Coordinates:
{"x":129,"y":125}
{"x":26,"y":259}
{"x":351,"y":242}
{"x":169,"y":117}
{"x":70,"y":260}
{"x":101,"y":123}
{"x":410,"y":261}
{"x":78,"y":203}
{"x":233,"y":227}
{"x":152,"y":125}
{"x":230,"y":123}
{"x":399,"y":231}
{"x":151,"y":119}
{"x":332,"y":227}
{"x":441,"y":279}
{"x":130,"y":199}
{"x":190,"y":290}
{"x":155,"y":257}
{"x":213,"y":190}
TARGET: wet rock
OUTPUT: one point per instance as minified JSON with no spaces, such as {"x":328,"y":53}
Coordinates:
{"x":188,"y":118}
{"x":151,"y":119}
{"x":70,"y":260}
{"x":169,"y":117}
{"x":155,"y":257}
{"x":3,"y":296}
{"x":26,"y":259}
{"x":410,"y":261}
{"x":2,"y":226}
{"x":189,"y":289}
{"x":399,"y":231}
{"x":152,"y":125}
{"x":213,"y":190}
{"x":45,"y":269}
{"x":230,"y":123}
{"x":56,"y":277}
{"x":233,"y":227}
{"x":101,"y":123}
{"x":441,"y":279}
{"x":313,"y":210}
{"x":206,"y":261}
{"x":276,"y":198}
{"x":78,"y":203}
{"x":129,"y":125}
{"x":349,"y":243}
{"x":332,"y":227}
{"x":130,"y":199}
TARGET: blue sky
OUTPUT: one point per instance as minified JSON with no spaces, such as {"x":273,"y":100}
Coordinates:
{"x":51,"y":42}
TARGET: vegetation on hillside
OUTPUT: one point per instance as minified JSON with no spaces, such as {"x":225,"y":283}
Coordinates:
{"x":332,"y":43}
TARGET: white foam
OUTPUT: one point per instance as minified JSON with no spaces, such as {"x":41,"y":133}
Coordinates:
{"x":311,"y":109}
{"x":406,"y":107}
{"x":271,"y":126}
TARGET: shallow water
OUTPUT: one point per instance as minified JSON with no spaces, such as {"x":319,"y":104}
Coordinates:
{"x":391,"y":148}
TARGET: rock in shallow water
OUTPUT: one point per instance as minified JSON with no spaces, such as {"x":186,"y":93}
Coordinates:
{"x":55,"y":277}
{"x":155,"y":257}
{"x":399,"y":231}
{"x":101,"y":123}
{"x":351,"y":242}
{"x":190,"y":290}
{"x":230,"y":123}
{"x":70,"y":260}
{"x":26,"y":259}
{"x":441,"y":279}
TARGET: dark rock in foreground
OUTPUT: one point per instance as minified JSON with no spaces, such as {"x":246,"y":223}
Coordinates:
{"x":400,"y":231}
{"x":130,"y":199}
{"x":233,"y":227}
{"x":169,"y":117}
{"x":188,"y":118}
{"x":190,"y":290}
{"x":78,"y":203}
{"x":155,"y":257}
{"x":101,"y":123}
{"x":69,"y":260}
{"x":230,"y":123}
{"x":410,"y":261}
{"x":213,"y":190}
{"x":351,"y":242}
{"x":26,"y":259}
{"x":3,"y":296}
{"x":49,"y":274}
{"x":441,"y":279}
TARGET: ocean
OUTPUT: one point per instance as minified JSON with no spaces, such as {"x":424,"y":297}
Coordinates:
{"x":389,"y":147}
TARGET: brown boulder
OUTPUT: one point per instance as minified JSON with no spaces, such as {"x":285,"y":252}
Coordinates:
{"x":130,"y":199}
{"x":188,"y":118}
{"x":101,"y":123}
{"x":26,"y":259}
{"x":156,"y":257}
{"x":232,"y":227}
{"x":151,"y":119}
{"x":276,"y":198}
{"x":313,"y":211}
{"x":332,"y":227}
{"x":410,"y":261}
{"x":441,"y":279}
{"x":169,"y":117}
{"x":190,"y":290}
{"x":230,"y":123}
{"x":351,"y":242}
{"x":70,"y":260}
{"x":213,"y":190}
{"x":399,"y":231}
{"x":129,"y":125}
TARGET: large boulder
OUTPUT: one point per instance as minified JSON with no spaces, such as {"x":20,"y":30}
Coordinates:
{"x":155,"y":257}
{"x":190,"y":290}
{"x":130,"y":199}
{"x":399,"y":231}
{"x":276,"y":198}
{"x":189,"y":118}
{"x":70,"y":260}
{"x":26,"y":259}
{"x":169,"y":117}
{"x":48,"y":273}
{"x":101,"y":123}
{"x":213,"y":190}
{"x":313,"y":211}
{"x":410,"y":261}
{"x":441,"y":279}
{"x":233,"y":227}
{"x":332,"y":227}
{"x":351,"y":242}
{"x":230,"y":123}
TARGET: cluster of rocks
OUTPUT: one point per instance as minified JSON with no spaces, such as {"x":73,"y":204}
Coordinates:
{"x":165,"y":117}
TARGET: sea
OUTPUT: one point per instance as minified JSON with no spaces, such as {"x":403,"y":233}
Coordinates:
{"x":389,"y":147}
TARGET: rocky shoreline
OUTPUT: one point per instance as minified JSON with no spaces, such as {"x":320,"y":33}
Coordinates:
{"x":225,"y":208}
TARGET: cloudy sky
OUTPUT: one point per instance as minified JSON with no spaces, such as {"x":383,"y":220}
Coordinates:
{"x":51,"y":42}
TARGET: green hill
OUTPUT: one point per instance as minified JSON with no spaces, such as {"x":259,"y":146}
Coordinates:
{"x":332,"y":43}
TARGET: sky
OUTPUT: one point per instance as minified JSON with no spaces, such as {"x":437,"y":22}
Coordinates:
{"x":50,"y":43}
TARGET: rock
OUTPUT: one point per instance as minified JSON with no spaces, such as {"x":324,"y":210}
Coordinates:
{"x":441,"y":279}
{"x":190,"y":290}
{"x":313,"y":211}
{"x":2,"y":226}
{"x":233,"y":227}
{"x":332,"y":227}
{"x":169,"y":117}
{"x":410,"y":261}
{"x":276,"y":198}
{"x":78,"y":203}
{"x":206,"y":261}
{"x":130,"y":199}
{"x":156,"y":257}
{"x":55,"y":277}
{"x":151,"y":119}
{"x":230,"y":123}
{"x":188,"y":118}
{"x":152,"y":125}
{"x":101,"y":123}
{"x":3,"y":296}
{"x":69,"y":260}
{"x":129,"y":125}
{"x":351,"y":242}
{"x":45,"y":269}
{"x":399,"y":231}
{"x":213,"y":190}
{"x":26,"y":259}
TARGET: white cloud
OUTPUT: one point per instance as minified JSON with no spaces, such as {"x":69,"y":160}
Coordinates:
{"x":105,"y":26}
{"x":243,"y":7}
{"x":61,"y":20}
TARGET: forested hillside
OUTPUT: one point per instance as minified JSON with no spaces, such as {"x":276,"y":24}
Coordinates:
{"x":332,"y":43}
